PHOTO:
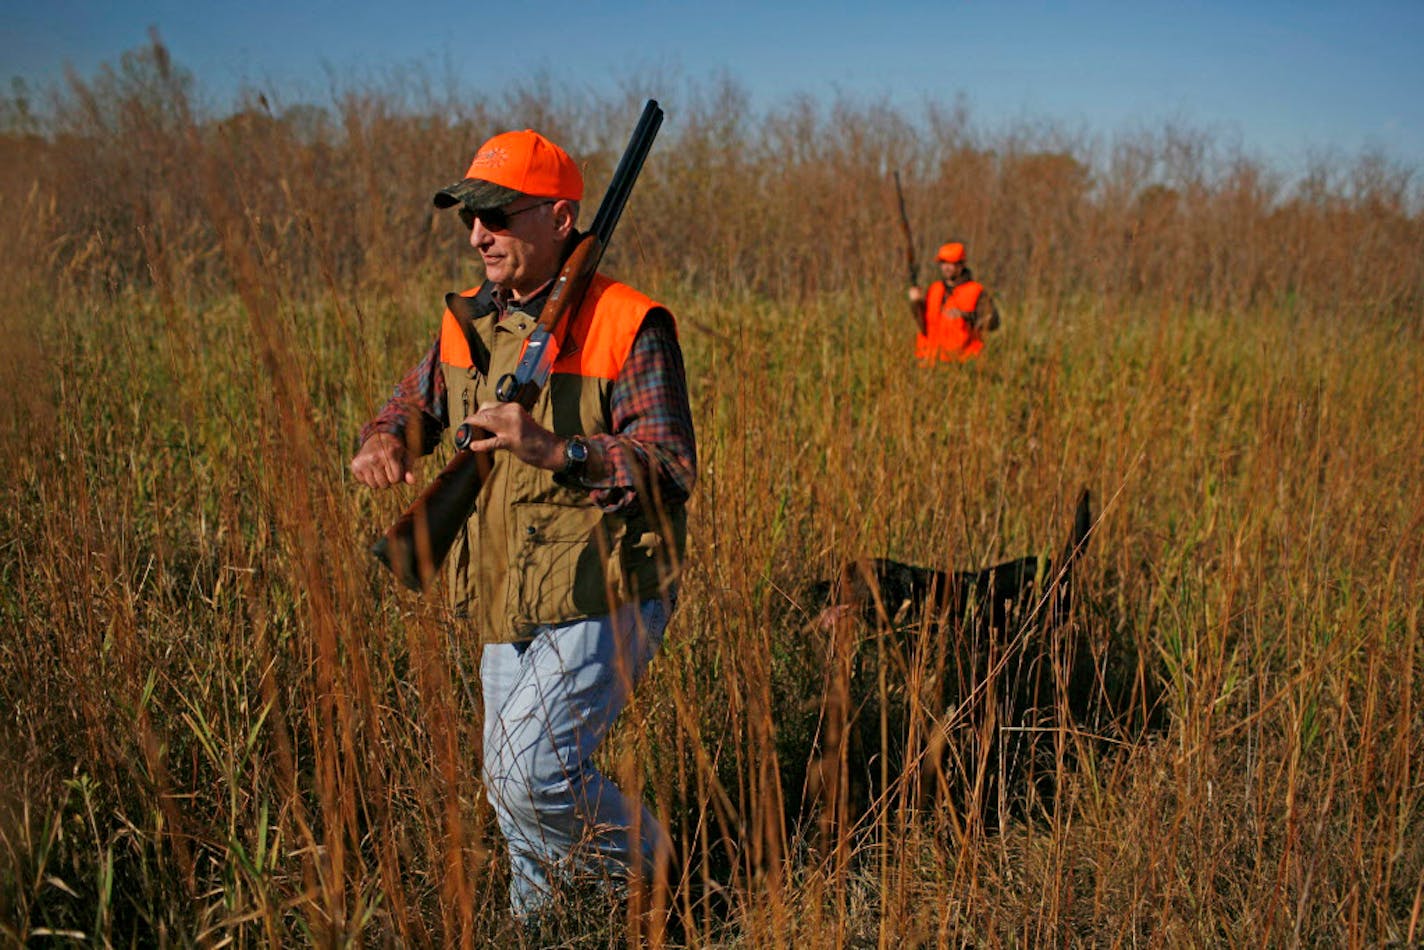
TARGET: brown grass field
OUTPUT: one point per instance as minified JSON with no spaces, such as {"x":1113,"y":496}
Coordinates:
{"x":223,"y":724}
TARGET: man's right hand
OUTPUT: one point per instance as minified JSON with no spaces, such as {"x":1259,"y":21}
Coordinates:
{"x":916,"y":295}
{"x":382,"y":462}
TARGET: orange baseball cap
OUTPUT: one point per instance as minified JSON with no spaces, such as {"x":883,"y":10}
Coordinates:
{"x":513,"y":164}
{"x":951,"y":253}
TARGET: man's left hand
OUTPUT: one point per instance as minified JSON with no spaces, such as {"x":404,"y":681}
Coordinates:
{"x":511,"y":428}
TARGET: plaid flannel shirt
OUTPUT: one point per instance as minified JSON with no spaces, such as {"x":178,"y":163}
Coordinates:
{"x":651,"y":435}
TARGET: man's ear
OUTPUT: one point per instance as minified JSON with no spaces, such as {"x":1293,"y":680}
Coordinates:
{"x":565,"y":216}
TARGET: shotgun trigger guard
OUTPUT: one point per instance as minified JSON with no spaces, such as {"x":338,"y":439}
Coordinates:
{"x":507,"y":388}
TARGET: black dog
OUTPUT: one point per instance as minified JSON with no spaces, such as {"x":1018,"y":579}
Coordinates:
{"x":949,"y":687}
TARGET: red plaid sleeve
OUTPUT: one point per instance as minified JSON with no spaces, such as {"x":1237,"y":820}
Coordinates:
{"x":418,"y":400}
{"x":652,"y":442}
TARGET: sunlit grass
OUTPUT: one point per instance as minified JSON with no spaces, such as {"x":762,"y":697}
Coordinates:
{"x":223,"y":722}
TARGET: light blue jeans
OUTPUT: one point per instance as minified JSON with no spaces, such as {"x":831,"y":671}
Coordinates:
{"x":549,"y":701}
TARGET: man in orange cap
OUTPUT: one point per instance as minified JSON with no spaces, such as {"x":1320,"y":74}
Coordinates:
{"x":566,"y":572}
{"x":954,"y":313}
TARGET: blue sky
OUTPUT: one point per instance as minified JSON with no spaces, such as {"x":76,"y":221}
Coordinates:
{"x":1285,"y":80}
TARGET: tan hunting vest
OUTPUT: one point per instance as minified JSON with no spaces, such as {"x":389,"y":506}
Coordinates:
{"x":536,"y":552}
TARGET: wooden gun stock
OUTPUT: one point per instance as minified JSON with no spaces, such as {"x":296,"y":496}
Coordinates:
{"x":416,"y":545}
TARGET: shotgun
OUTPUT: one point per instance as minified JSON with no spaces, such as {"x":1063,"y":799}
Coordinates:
{"x":415,"y":546}
{"x":910,"y":265}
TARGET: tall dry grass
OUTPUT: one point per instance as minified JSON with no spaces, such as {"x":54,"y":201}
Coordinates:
{"x":223,"y":723}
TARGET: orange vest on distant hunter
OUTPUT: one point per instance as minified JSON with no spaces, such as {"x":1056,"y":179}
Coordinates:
{"x":535,"y":552}
{"x":947,"y":337}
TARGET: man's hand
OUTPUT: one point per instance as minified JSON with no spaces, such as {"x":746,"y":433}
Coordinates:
{"x":917,"y":306}
{"x":510,"y":427}
{"x":382,"y":462}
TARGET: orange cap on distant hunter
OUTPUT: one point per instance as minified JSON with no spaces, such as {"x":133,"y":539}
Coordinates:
{"x":951,"y":253}
{"x":513,"y":164}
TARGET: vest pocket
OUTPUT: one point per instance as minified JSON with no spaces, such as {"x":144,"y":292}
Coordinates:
{"x":564,"y":564}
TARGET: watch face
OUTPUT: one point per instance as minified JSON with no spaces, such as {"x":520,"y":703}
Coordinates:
{"x":576,"y":452}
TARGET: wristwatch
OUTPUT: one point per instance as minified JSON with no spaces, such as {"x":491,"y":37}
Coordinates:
{"x":575,"y":456}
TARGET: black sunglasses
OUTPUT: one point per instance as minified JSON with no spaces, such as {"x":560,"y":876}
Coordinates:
{"x":494,"y":219}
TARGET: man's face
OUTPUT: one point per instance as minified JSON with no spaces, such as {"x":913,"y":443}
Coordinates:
{"x":521,"y":245}
{"x":950,"y":269}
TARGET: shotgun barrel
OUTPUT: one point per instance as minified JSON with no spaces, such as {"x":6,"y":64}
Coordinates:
{"x":911,"y":267}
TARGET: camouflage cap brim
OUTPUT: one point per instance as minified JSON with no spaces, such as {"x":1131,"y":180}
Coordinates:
{"x":475,"y":194}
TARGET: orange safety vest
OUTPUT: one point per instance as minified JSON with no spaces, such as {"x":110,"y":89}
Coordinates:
{"x":948,"y":337}
{"x":536,"y":552}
